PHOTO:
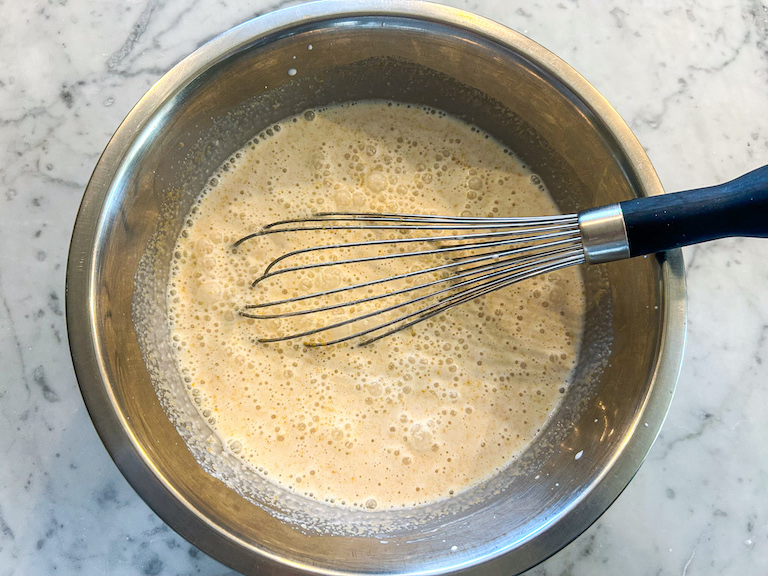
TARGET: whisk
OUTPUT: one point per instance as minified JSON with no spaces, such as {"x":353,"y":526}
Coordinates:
{"x":469,"y":257}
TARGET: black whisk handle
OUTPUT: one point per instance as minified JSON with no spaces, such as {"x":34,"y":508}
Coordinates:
{"x":736,"y":208}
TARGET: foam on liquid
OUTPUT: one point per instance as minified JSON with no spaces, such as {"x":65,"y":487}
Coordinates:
{"x":413,"y":418}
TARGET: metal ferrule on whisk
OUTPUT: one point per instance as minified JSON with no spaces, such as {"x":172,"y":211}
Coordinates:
{"x":604,"y":234}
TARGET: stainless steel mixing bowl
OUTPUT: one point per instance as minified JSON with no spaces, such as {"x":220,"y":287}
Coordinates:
{"x":311,"y":55}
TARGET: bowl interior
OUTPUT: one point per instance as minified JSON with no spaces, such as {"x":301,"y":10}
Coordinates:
{"x":208,"y":108}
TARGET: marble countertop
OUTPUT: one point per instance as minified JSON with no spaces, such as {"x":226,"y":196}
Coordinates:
{"x":691,"y":80}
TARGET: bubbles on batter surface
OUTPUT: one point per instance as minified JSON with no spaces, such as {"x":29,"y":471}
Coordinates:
{"x":418,"y":417}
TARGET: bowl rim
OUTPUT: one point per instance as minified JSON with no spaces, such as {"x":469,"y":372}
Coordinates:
{"x":115,"y":431}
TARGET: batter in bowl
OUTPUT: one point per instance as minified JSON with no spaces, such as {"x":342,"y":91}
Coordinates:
{"x":418,"y":416}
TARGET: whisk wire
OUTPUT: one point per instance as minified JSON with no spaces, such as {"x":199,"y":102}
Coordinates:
{"x":552,"y":254}
{"x":406,"y":221}
{"x":502,"y":267}
{"x":447,"y":304}
{"x":443,"y":305}
{"x":542,"y":234}
{"x":506,"y":251}
{"x":566,"y":235}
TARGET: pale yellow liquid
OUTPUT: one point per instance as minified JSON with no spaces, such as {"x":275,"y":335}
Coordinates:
{"x":417,"y":416}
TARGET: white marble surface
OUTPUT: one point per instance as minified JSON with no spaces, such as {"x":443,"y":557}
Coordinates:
{"x":690,"y":78}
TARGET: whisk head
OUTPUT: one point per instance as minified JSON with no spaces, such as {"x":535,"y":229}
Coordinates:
{"x":407,"y":268}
